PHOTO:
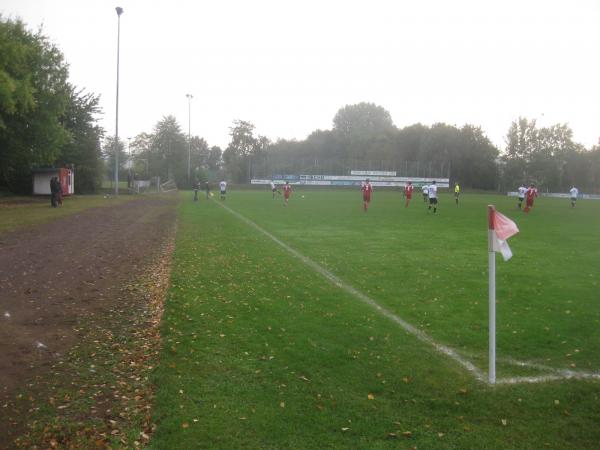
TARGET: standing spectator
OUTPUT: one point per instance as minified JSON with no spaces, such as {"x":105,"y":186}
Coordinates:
{"x":223,"y":189}
{"x":207,"y":189}
{"x":287,"y":191}
{"x":59,"y":192}
{"x":432,"y":194}
{"x":367,"y":190}
{"x":196,"y":188}
{"x":408,"y":189}
{"x":456,"y":192}
{"x":574,"y":193}
{"x":530,"y":195}
{"x":425,"y":190}
{"x":53,"y":192}
{"x":522,"y":189}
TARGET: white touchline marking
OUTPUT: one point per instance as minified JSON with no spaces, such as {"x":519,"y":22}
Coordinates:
{"x":565,"y":373}
{"x":559,"y":374}
{"x":562,"y":375}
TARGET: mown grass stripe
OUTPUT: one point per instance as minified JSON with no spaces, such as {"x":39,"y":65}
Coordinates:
{"x":423,"y":337}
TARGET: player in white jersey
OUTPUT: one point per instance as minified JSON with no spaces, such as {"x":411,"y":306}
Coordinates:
{"x":223,"y":189}
{"x":425,"y":191}
{"x":522,"y":189}
{"x":574,"y":193}
{"x":432,"y":194}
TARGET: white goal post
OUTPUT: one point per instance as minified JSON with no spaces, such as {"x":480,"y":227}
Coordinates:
{"x":168,"y":186}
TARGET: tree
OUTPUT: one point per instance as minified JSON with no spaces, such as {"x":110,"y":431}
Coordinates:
{"x":555,"y":149}
{"x":546,"y":156}
{"x":522,"y":139}
{"x":214,"y":160}
{"x":199,"y":153}
{"x":367,"y":133}
{"x":236,"y":156}
{"x":474,"y":159}
{"x":168,"y":156}
{"x":83,"y":151}
{"x":593,"y":181}
{"x":408,"y":142}
{"x":140,"y":148}
{"x":362,"y":120}
{"x":108,"y":151}
{"x":34,"y":96}
{"x":164,"y":153}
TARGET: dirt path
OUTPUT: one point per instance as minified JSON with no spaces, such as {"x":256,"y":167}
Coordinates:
{"x":54,"y":274}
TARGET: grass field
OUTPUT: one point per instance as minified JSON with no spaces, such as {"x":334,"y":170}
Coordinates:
{"x":17,"y":212}
{"x":262,"y":351}
{"x":110,"y":185}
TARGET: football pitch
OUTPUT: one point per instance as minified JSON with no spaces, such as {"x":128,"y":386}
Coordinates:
{"x":318,"y":325}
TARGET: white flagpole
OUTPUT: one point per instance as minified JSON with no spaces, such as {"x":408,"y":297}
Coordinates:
{"x":492,"y":296}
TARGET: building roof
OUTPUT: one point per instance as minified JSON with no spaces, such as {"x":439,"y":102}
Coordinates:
{"x":46,"y":170}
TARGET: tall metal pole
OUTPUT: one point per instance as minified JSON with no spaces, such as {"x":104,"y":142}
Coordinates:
{"x":189,"y":97}
{"x":119,"y":12}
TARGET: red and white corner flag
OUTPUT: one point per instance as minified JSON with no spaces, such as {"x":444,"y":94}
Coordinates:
{"x":502,"y":228}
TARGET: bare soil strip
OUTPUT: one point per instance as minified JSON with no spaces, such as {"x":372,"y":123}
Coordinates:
{"x":73,"y":283}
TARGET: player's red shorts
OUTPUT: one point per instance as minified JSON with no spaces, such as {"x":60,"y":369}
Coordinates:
{"x":366,"y":197}
{"x":409,"y":195}
{"x":529,"y":202}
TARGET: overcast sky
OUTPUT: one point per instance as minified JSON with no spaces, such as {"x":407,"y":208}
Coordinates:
{"x":288,"y":66}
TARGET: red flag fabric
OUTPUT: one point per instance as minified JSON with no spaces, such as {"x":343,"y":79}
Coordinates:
{"x":503,"y":226}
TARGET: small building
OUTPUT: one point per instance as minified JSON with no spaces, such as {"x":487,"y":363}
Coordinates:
{"x":41,"y":180}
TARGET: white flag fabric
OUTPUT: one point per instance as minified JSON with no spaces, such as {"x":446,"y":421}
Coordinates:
{"x":502,"y":247}
{"x":503,"y":229}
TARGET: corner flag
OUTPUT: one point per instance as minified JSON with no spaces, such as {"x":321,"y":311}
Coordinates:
{"x":500,"y":228}
{"x":503,"y":228}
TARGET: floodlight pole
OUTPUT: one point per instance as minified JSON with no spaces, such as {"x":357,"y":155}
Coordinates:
{"x":119,"y":12}
{"x":189,"y":97}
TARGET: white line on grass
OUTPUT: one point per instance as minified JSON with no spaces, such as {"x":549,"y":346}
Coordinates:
{"x":559,"y":374}
{"x":562,"y":375}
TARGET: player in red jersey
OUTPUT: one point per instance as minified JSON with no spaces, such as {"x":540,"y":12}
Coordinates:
{"x":287,"y":191}
{"x":408,"y":193}
{"x":529,"y":196}
{"x":366,"y":189}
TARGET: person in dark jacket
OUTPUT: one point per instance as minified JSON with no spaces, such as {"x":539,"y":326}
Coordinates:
{"x":54,"y":192}
{"x":59,"y":192}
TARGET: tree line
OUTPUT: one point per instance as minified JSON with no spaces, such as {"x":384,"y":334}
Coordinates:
{"x":45,"y":121}
{"x":364,"y":137}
